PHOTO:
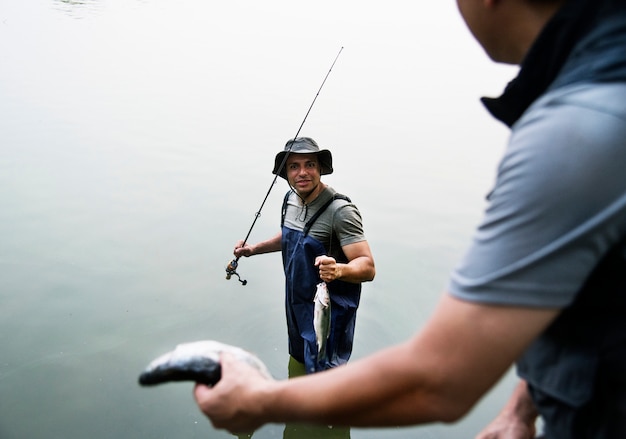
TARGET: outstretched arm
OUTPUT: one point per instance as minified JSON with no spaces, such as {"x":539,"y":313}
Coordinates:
{"x":437,"y":375}
{"x":270,"y":245}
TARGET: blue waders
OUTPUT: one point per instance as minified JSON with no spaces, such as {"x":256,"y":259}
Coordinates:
{"x":299,"y":251}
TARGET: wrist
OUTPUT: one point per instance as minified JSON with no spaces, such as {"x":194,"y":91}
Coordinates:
{"x":270,"y":400}
{"x":339,"y":271}
{"x":521,"y":407}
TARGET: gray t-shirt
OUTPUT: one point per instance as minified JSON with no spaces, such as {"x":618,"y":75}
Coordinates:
{"x":558,"y":205}
{"x":341,"y":217}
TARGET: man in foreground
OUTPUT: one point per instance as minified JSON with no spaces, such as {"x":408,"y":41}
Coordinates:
{"x":543,"y":284}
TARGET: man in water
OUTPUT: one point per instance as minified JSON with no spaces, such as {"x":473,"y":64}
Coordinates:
{"x":321,"y":240}
{"x":543,"y":284}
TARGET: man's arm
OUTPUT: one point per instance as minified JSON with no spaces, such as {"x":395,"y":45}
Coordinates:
{"x":359,"y":268}
{"x":517,"y":418}
{"x":437,"y":375}
{"x":270,"y":245}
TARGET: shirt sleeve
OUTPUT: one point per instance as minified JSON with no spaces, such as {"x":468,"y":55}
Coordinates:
{"x":558,"y":205}
{"x":348,"y":225}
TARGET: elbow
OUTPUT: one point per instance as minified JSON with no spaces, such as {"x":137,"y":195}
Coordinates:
{"x":447,"y":412}
{"x":446,"y":400}
{"x":450,"y":410}
{"x":453,"y":414}
{"x":369,"y":276}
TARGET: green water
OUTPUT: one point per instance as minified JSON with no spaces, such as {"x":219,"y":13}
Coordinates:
{"x":136,"y":143}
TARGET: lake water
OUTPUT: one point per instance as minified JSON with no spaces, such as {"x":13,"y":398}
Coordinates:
{"x":136,"y":143}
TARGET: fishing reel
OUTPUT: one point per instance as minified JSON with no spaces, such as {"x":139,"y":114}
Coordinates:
{"x":231,"y":269}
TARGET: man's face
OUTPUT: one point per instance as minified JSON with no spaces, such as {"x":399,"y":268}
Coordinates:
{"x":471,"y":12}
{"x":480,"y":20}
{"x":303,"y":173}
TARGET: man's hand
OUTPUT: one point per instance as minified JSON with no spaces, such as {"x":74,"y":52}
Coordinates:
{"x":242,"y":250}
{"x":517,"y":418}
{"x":232,"y":404}
{"x":509,"y":428}
{"x":329,"y":268}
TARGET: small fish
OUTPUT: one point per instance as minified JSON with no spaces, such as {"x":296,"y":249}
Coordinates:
{"x":196,"y":361}
{"x":321,"y":318}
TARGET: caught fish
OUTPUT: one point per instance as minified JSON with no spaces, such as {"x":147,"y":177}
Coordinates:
{"x":196,"y":361}
{"x":321,"y":318}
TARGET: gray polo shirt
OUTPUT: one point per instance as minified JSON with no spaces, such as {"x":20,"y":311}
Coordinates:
{"x":559,"y":201}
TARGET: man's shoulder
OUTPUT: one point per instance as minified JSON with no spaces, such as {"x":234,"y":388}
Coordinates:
{"x":330,"y":192}
{"x":338,"y":203}
{"x":603,"y":98}
{"x":583,"y":116}
{"x":330,"y":198}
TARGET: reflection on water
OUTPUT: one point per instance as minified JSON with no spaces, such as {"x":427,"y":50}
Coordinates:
{"x":294,"y":431}
{"x":78,"y":8}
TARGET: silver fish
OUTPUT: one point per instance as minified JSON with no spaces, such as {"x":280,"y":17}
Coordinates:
{"x":196,"y":361}
{"x":321,"y":318}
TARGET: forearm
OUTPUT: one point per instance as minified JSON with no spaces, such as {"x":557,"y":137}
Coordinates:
{"x":438,"y":375}
{"x":360,"y":269}
{"x":354,"y":394}
{"x":268,"y":246}
{"x":360,"y":266}
{"x":372,"y":392}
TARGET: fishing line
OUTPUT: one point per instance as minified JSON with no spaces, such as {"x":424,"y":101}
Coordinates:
{"x":231,"y":268}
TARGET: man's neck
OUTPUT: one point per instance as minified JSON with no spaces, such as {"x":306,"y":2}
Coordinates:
{"x":312,"y":196}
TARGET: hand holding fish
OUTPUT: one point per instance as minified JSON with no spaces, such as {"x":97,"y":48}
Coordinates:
{"x":232,"y":403}
{"x":223,"y":375}
{"x":197,"y":361}
{"x":329,"y":268}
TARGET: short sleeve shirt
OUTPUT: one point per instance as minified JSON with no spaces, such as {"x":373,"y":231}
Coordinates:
{"x":339,"y":225}
{"x":558,"y":204}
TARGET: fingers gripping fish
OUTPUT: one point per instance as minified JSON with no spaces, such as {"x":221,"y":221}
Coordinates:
{"x":196,"y":361}
{"x":321,"y":319}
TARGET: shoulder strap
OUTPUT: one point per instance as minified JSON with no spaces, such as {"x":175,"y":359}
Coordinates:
{"x":314,"y":218}
{"x":321,"y":210}
{"x":284,"y":209}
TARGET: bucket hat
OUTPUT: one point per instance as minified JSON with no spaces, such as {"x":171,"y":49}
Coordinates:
{"x":303,"y":145}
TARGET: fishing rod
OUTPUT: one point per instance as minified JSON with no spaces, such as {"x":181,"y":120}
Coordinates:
{"x":231,"y":268}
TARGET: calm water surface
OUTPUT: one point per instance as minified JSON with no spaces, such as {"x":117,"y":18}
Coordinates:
{"x":136,"y":143}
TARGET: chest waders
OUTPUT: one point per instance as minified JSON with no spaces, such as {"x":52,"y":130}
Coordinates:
{"x":576,"y":370}
{"x":299,"y":251}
